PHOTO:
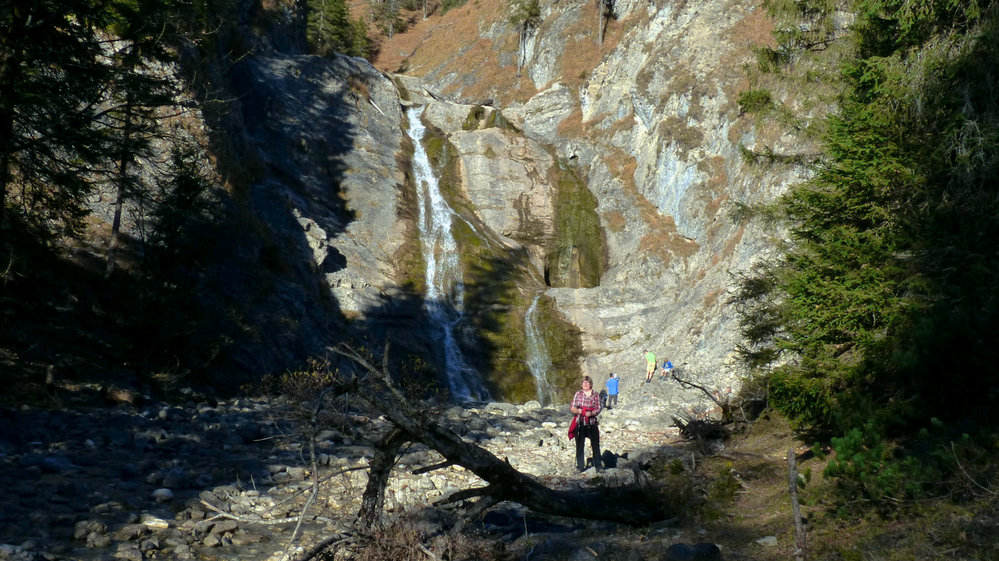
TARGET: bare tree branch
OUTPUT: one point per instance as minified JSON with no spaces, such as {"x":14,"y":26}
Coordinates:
{"x":435,"y":467}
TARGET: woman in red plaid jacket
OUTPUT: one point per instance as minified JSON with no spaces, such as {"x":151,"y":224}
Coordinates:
{"x":586,"y":405}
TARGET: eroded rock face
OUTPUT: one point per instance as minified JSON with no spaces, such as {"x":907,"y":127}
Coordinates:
{"x":505,"y":177}
{"x":328,"y":132}
{"x":653,"y":127}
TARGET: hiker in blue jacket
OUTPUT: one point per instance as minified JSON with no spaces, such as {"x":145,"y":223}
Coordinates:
{"x":612,"y":389}
{"x":666,"y":371}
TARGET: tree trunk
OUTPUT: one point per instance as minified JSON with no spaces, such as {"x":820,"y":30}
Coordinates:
{"x":385,"y":453}
{"x":632,"y":505}
{"x":600,"y":22}
{"x":522,"y":48}
{"x":123,"y":161}
{"x":116,"y":221}
{"x":6,"y":129}
{"x":799,"y":527}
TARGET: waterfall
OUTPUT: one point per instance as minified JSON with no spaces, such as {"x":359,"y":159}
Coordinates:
{"x":538,"y":360}
{"x":445,"y":292}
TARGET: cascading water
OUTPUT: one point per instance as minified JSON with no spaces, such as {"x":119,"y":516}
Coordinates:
{"x":445,"y":292}
{"x":538,"y":360}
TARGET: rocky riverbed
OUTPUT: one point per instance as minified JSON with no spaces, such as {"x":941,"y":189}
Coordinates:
{"x":228,"y":479}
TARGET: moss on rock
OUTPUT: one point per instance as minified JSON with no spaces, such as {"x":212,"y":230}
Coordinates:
{"x":577,"y":257}
{"x":482,"y":117}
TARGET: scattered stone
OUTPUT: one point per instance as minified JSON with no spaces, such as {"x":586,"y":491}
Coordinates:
{"x":162,"y":495}
{"x":768,"y":541}
{"x":15,"y":553}
{"x":246,"y":538}
{"x":224,"y":526}
{"x":297,"y":473}
{"x":154,"y":522}
{"x":129,"y":532}
{"x":212,"y":540}
{"x":176,"y":478}
{"x":95,"y":540}
{"x":530,"y":437}
{"x":128,"y":552}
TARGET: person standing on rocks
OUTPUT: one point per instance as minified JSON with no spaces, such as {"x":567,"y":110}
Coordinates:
{"x":586,"y":407}
{"x":650,"y":365}
{"x":612,"y":383}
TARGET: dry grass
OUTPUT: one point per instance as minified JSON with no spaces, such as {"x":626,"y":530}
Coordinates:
{"x":573,"y":126}
{"x":711,"y":298}
{"x":454,"y":40}
{"x":663,"y":241}
{"x":756,"y":29}
{"x":733,"y":242}
{"x":411,"y":538}
{"x":760,"y":505}
{"x":625,"y":124}
{"x":615,"y":221}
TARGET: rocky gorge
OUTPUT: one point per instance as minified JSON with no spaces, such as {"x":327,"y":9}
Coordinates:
{"x":592,"y":185}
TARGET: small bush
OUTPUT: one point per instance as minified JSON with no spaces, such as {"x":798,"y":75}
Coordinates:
{"x":868,"y":465}
{"x":412,"y":537}
{"x":721,"y":490}
{"x":450,"y":5}
{"x":679,"y":489}
{"x":755,"y":101}
{"x":301,"y":385}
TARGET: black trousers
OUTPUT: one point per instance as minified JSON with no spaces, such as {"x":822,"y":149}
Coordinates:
{"x":582,"y":433}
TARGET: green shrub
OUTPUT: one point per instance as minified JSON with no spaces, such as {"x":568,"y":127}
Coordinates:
{"x":451,"y":4}
{"x":870,"y":465}
{"x":755,"y":101}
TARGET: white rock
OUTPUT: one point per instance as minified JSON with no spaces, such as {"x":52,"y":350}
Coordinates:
{"x":768,"y":541}
{"x":153,"y":522}
{"x":162,"y":495}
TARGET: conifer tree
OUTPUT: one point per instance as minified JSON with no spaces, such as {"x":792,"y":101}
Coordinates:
{"x":51,"y":86}
{"x":331,"y":29}
{"x":138,"y":93}
{"x":881,"y":315}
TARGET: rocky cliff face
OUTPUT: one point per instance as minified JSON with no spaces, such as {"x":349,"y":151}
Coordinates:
{"x":600,"y":179}
{"x":649,"y":120}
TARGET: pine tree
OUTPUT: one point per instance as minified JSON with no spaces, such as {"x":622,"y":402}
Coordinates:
{"x":884,"y":295}
{"x":331,"y":29}
{"x":51,"y":86}
{"x":138,"y":94}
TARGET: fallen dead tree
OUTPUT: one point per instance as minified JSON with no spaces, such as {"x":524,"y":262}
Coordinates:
{"x":632,"y":505}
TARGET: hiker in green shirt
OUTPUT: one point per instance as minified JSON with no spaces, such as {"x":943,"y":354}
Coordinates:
{"x":650,"y":365}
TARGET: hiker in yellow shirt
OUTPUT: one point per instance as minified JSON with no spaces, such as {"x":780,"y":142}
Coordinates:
{"x":650,"y":365}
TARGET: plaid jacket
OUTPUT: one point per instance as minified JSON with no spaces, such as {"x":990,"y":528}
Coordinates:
{"x":591,"y":403}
